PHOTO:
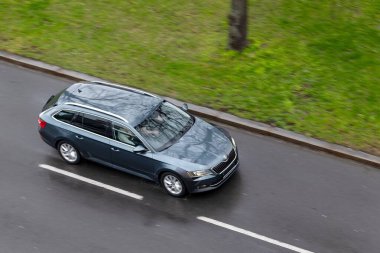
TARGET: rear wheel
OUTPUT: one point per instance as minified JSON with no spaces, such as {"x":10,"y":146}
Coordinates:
{"x":68,"y":152}
{"x":173,"y":184}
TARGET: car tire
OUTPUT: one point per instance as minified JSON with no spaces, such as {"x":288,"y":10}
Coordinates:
{"x":173,"y":184}
{"x":68,"y":152}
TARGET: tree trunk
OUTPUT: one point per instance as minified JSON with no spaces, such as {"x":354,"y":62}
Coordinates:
{"x":238,"y":25}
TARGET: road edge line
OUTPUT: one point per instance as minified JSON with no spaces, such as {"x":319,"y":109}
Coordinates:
{"x":221,"y":117}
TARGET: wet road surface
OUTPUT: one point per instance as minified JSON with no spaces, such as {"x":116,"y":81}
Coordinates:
{"x":308,"y":199}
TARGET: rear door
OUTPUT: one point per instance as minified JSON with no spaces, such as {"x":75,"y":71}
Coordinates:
{"x":94,"y":138}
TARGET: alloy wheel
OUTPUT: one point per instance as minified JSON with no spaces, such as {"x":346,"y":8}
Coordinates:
{"x":69,"y":153}
{"x":173,"y":185}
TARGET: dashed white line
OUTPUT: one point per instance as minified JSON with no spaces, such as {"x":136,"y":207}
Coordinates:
{"x":202,"y":218}
{"x":254,"y":235}
{"x":90,"y":181}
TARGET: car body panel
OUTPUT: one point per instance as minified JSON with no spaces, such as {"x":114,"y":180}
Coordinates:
{"x":202,"y":147}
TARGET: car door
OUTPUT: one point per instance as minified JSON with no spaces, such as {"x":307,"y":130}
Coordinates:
{"x":69,"y":127}
{"x":94,"y":138}
{"x":122,"y":146}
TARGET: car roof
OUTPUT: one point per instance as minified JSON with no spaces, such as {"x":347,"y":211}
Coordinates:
{"x":133,"y":105}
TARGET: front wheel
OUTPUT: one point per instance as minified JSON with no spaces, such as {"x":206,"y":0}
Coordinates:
{"x":173,"y":184}
{"x":68,"y":152}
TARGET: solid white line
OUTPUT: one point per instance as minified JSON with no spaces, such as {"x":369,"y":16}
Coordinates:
{"x":90,"y":181}
{"x":254,"y":235}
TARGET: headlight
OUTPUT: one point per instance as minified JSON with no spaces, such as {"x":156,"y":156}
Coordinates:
{"x":199,"y":173}
{"x":233,"y":142}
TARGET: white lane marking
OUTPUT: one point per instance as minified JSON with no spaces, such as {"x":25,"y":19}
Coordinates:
{"x":254,"y":235}
{"x":90,"y":181}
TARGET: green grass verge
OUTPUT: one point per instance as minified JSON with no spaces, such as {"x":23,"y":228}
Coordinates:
{"x":312,"y":66}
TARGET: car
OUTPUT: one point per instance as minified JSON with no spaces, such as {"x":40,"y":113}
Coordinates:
{"x":139,"y":133}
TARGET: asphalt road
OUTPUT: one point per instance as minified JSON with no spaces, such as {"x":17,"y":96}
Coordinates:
{"x":304,"y":198}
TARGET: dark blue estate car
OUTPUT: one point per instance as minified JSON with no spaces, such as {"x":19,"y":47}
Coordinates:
{"x":139,"y":133}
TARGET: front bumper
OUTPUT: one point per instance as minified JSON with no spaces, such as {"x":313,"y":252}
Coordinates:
{"x":214,"y":181}
{"x":208,"y":186}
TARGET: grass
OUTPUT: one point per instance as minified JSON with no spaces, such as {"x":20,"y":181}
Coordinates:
{"x":312,"y":66}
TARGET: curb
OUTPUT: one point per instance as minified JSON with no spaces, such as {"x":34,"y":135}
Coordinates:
{"x":210,"y":114}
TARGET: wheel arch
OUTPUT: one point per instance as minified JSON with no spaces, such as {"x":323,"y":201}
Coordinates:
{"x":59,"y":140}
{"x":161,"y":171}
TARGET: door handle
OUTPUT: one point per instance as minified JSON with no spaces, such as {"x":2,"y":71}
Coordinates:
{"x":79,"y":137}
{"x":115,"y":149}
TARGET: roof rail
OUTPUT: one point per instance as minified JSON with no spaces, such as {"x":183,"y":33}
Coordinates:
{"x":97,"y":109}
{"x":125,"y":88}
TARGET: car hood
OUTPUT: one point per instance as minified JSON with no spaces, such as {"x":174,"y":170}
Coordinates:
{"x":203,"y":144}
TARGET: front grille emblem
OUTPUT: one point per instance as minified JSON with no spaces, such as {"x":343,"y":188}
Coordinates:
{"x":225,"y":158}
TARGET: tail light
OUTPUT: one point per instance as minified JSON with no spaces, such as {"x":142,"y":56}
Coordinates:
{"x":41,"y":123}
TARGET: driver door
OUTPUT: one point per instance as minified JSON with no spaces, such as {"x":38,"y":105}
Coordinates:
{"x":122,"y":155}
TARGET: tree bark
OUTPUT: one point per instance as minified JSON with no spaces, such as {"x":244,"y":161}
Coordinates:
{"x":238,"y":25}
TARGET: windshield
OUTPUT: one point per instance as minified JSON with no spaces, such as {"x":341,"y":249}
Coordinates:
{"x":165,"y":126}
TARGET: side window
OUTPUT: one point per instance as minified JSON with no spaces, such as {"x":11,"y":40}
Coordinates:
{"x":123,"y":134}
{"x":97,"y":125}
{"x":64,"y":116}
{"x":78,"y":120}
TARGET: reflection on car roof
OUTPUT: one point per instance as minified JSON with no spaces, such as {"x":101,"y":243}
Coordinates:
{"x":132,"y":106}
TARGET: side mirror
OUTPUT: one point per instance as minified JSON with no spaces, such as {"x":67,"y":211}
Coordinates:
{"x":139,"y":149}
{"x":185,"y":107}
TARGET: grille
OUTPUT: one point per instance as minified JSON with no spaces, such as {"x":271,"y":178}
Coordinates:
{"x":223,"y":165}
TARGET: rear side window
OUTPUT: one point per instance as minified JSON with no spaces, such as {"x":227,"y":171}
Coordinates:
{"x":78,"y":120}
{"x":64,"y":116}
{"x":97,"y":125}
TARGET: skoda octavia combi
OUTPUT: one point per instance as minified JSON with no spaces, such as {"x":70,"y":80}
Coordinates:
{"x":139,"y":133}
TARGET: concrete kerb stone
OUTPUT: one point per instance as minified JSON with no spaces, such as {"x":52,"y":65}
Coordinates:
{"x":210,"y":114}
